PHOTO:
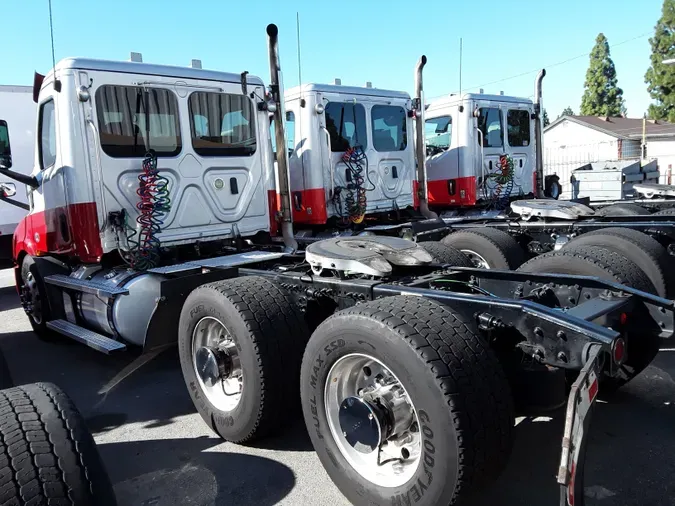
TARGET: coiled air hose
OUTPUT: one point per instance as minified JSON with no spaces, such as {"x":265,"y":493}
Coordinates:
{"x":153,"y":206}
{"x":353,"y":209}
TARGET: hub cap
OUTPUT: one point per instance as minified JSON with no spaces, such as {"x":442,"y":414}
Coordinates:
{"x":373,"y":420}
{"x":215,"y":359}
{"x":32,"y":303}
{"x":477,"y":260}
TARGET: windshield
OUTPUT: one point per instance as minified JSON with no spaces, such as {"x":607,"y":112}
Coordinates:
{"x":222,"y":124}
{"x":519,"y":128}
{"x":437,"y":132}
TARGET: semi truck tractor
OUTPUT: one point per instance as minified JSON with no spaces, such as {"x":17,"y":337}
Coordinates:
{"x":160,"y":217}
{"x":17,"y":109}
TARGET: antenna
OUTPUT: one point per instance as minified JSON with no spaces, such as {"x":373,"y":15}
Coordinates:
{"x":51,"y":31}
{"x":460,"y":68}
{"x":297,"y":24}
{"x":57,"y":83}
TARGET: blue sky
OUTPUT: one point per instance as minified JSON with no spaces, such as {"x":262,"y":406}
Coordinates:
{"x":358,"y":41}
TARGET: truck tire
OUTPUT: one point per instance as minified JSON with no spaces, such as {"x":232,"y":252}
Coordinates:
{"x":5,"y":374}
{"x":456,"y":394}
{"x":33,"y":288}
{"x":445,"y":254}
{"x":665,"y":212}
{"x":618,"y":262}
{"x":487,"y":248}
{"x":605,"y":264}
{"x":623,"y":209}
{"x":265,"y":334}
{"x":47,"y":454}
{"x":646,"y":252}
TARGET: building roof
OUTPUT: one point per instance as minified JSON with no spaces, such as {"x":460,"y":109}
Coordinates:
{"x":347,"y":90}
{"x":153,"y":70}
{"x":619,"y":127}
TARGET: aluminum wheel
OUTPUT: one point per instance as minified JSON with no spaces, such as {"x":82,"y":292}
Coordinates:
{"x":215,"y":359}
{"x":32,"y":303}
{"x":373,"y":420}
{"x":477,"y":260}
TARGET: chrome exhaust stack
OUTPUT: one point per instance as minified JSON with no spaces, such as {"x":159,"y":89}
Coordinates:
{"x":538,"y":135}
{"x":282,"y":176}
{"x":421,"y":145}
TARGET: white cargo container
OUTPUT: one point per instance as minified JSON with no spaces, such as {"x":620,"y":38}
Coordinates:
{"x":18,"y":110}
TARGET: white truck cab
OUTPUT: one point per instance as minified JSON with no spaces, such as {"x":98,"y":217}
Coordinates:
{"x":17,"y":112}
{"x":97,"y":122}
{"x":323,"y":123}
{"x":466,"y":136}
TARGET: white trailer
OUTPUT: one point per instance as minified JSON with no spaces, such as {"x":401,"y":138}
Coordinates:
{"x":17,"y":109}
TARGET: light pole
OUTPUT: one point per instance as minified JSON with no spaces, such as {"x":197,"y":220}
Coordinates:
{"x":670,"y":61}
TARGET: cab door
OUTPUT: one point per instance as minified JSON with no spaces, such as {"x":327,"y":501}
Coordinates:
{"x":48,"y":225}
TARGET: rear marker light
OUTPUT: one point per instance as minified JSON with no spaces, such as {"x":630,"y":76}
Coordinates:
{"x":623,"y":318}
{"x":619,"y":350}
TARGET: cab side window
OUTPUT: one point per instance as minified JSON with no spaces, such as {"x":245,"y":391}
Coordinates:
{"x":47,"y":140}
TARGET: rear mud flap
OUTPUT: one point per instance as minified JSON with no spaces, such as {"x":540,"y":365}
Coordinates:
{"x":575,"y":437}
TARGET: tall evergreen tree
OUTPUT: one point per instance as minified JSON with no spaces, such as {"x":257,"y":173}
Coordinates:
{"x":602,"y":96}
{"x":547,"y":121}
{"x":567,"y":111}
{"x":660,"y":78}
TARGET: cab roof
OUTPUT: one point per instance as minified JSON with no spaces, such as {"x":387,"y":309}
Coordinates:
{"x":151,"y":69}
{"x":453,"y":99}
{"x":346,"y":90}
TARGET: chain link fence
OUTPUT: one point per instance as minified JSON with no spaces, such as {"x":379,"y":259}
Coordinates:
{"x":562,"y":160}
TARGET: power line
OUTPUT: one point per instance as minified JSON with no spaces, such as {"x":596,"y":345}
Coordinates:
{"x":550,"y":66}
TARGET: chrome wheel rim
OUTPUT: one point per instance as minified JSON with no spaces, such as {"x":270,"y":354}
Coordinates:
{"x":477,"y":260}
{"x":215,"y":359}
{"x":32,"y":303}
{"x":373,"y":420}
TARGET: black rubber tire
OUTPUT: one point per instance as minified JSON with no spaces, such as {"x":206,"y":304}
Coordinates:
{"x":445,"y":254}
{"x":47,"y":453}
{"x":618,"y":262}
{"x":28,"y":266}
{"x":642,"y":346}
{"x":498,"y":248}
{"x":623,"y":209}
{"x":460,"y":392}
{"x":5,"y":374}
{"x":646,"y":252}
{"x":270,"y":332}
{"x":665,"y":212}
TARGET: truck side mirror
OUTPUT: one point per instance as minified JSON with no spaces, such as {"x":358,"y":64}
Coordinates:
{"x":7,"y":190}
{"x":5,"y":151}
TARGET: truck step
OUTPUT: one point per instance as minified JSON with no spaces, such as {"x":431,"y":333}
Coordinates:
{"x":92,"y":339}
{"x":95,"y":287}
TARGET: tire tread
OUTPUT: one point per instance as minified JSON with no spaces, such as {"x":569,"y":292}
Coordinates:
{"x":468,"y":374}
{"x":279,"y":334}
{"x":48,"y":455}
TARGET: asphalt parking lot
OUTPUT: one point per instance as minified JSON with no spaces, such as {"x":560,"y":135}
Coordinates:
{"x":158,"y":452}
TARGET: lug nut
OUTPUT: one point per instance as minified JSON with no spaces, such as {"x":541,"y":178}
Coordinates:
{"x":562,"y":357}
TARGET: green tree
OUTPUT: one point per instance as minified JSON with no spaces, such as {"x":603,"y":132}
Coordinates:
{"x":547,"y":122}
{"x":567,"y":111}
{"x":660,"y":78}
{"x":602,"y":96}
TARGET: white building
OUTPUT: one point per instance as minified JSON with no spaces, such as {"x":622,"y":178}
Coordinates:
{"x":573,"y":141}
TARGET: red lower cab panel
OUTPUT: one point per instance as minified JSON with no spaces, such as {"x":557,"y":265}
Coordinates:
{"x":460,"y":191}
{"x":71,"y":230}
